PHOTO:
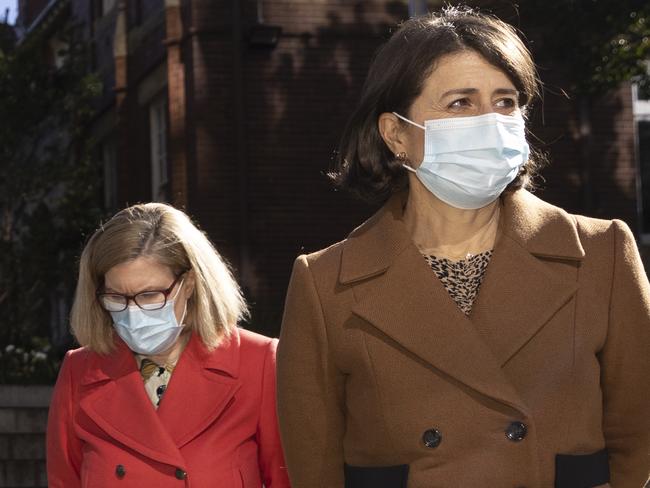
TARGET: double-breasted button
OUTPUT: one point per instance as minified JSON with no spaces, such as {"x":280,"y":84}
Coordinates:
{"x":120,"y":472}
{"x":432,"y":438}
{"x":516,"y":431}
{"x":180,"y":474}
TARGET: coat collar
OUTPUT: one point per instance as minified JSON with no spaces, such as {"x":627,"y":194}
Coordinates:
{"x":121,"y":361}
{"x":114,"y":398}
{"x":398,"y":294}
{"x":540,"y":228}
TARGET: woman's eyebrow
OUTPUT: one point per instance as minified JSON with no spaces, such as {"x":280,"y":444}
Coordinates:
{"x":108,"y":289}
{"x":460,"y":91}
{"x":506,"y":91}
{"x":472,"y":91}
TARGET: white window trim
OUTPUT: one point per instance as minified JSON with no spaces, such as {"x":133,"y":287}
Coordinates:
{"x":641,"y":111}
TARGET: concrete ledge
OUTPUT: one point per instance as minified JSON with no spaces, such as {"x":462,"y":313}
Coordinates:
{"x":25,"y":396}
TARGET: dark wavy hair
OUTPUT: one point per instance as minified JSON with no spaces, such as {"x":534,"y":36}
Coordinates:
{"x":364,"y":165}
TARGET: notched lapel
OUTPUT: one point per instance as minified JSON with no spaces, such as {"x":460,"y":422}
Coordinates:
{"x":203,"y":385}
{"x":410,"y":306}
{"x":399,"y":295}
{"x":194,"y":400}
{"x":519,"y":295}
{"x":122,"y":409}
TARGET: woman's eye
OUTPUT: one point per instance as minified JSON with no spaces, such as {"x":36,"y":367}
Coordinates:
{"x":461,"y":102}
{"x":506,"y":103}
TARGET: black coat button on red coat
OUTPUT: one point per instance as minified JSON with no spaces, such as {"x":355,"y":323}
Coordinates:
{"x":432,"y":438}
{"x":120,"y":471}
{"x":180,"y":474}
{"x":516,"y":431}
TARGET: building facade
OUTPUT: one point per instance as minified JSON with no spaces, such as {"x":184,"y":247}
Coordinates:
{"x":232,"y":110}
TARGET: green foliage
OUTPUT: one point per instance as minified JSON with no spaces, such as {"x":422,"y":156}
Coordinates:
{"x":48,"y":193}
{"x":597,"y":43}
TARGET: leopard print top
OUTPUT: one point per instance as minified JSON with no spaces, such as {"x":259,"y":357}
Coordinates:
{"x":461,"y":279}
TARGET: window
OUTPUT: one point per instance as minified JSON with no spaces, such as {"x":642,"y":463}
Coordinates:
{"x":58,"y":52}
{"x":108,"y":157}
{"x":158,"y":142}
{"x":641,"y":107}
{"x":135,"y":13}
{"x":103,"y":7}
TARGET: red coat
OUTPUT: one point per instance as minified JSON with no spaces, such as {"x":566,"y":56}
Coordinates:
{"x":216,"y":425}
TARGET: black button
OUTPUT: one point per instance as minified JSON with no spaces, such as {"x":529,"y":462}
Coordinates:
{"x":180,"y":474}
{"x":120,"y":471}
{"x":432,"y":438}
{"x":516,"y":431}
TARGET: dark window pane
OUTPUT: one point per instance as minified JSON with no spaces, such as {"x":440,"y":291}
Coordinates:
{"x":643,"y":128}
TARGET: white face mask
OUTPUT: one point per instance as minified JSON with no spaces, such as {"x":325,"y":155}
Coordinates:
{"x":149,"y":331}
{"x":469,"y":161}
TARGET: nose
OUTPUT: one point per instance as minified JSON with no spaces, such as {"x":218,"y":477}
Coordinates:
{"x":485,"y":107}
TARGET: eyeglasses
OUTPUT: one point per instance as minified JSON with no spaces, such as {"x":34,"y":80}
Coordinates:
{"x":146,"y":300}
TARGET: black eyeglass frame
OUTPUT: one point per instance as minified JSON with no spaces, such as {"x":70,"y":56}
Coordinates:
{"x":133,"y":298}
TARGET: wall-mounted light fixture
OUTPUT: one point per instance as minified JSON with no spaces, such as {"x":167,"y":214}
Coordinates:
{"x":264,"y":36}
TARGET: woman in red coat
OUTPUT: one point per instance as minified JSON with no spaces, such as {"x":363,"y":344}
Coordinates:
{"x":165,"y":391}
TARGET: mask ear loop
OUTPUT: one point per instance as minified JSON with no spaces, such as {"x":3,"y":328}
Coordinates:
{"x":184,"y":313}
{"x":402,"y":156}
{"x":408,"y":120}
{"x":180,"y":322}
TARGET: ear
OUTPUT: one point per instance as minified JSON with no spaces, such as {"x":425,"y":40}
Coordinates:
{"x":190,"y":281}
{"x":392,"y":132}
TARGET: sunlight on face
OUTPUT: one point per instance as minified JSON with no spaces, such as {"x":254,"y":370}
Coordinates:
{"x":145,"y":274}
{"x":461,"y":84}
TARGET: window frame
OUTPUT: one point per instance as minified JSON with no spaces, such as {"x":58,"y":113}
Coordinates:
{"x":641,"y":113}
{"x":158,"y":148}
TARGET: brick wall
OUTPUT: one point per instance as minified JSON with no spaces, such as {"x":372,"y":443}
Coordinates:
{"x":264,"y":125}
{"x":261,"y":126}
{"x":593,"y":175}
{"x":23,"y":420}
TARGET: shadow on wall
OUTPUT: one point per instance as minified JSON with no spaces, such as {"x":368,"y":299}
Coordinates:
{"x":293,"y":125}
{"x":591,"y":167}
{"x":588,"y":139}
{"x":295,"y":100}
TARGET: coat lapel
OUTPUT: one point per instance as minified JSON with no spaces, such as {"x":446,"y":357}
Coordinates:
{"x":410,"y":306}
{"x":520,"y":291}
{"x":205,"y":380}
{"x":115,"y":400}
{"x":518,"y":296}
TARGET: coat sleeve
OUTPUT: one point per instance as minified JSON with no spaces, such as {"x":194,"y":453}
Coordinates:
{"x":310,"y":389}
{"x":63,"y":446}
{"x":271,"y":459}
{"x":625,"y":363}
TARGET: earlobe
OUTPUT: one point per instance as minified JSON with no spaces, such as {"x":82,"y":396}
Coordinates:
{"x":391,"y":132}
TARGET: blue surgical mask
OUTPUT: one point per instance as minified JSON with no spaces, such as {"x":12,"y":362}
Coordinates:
{"x":469,"y":161}
{"x":149,"y":331}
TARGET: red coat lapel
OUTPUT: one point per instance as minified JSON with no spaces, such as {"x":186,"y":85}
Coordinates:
{"x":113,"y":397}
{"x":202,"y":386}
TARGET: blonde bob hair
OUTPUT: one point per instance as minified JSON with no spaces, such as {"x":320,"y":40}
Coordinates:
{"x":161,"y":232}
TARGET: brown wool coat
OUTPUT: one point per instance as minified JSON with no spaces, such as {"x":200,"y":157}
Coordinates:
{"x":376,"y":361}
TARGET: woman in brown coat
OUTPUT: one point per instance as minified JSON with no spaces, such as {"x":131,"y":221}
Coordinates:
{"x":468,"y":334}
